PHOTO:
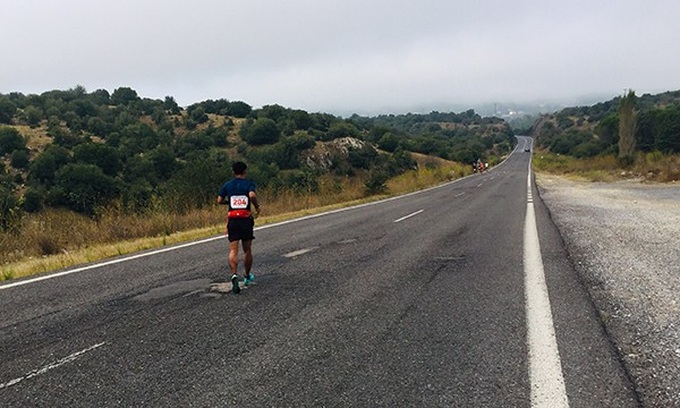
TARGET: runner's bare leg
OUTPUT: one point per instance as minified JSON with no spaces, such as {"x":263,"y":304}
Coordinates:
{"x":248,"y":260}
{"x":233,"y":256}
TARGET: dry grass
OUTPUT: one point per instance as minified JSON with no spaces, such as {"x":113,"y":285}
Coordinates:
{"x":653,"y":167}
{"x":427,"y":176}
{"x":55,"y":239}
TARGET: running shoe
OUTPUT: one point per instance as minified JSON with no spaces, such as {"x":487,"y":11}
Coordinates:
{"x":234,"y":284}
{"x":248,"y":279}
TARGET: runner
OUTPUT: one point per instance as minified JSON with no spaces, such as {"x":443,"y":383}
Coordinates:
{"x":239,"y":194}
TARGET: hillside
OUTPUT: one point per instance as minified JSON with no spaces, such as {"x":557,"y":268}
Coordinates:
{"x":80,"y":150}
{"x":589,"y":131}
{"x":121,"y":166}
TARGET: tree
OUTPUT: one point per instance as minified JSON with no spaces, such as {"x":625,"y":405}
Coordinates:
{"x":7,"y":110}
{"x":667,"y":136}
{"x":10,"y":140}
{"x":33,"y":200}
{"x":608,"y":128}
{"x":33,"y":116}
{"x":198,"y":115}
{"x":194,"y":185}
{"x":101,"y":97}
{"x":123,"y":96}
{"x":43,"y":168}
{"x":340,"y":130}
{"x":273,"y":112}
{"x":103,"y":156}
{"x":98,"y":126}
{"x":239,"y":109}
{"x":301,"y":118}
{"x":363,"y":157}
{"x":388,"y":142}
{"x":628,"y":116}
{"x":375,"y":184}
{"x":84,"y":187}
{"x":19,"y":159}
{"x":261,"y":131}
{"x":164,"y":161}
{"x":170,"y":105}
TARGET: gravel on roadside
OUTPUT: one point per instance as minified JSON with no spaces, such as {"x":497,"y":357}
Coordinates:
{"x":624,"y":241}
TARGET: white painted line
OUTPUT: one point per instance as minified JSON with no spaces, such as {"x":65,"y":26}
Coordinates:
{"x":545,"y":367}
{"x":408,"y":216}
{"x":480,"y":184}
{"x":49,"y":367}
{"x":459,"y":195}
{"x":300,"y":252}
{"x":113,"y":262}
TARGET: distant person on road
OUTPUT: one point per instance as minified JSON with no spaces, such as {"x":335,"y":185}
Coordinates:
{"x":239,"y":194}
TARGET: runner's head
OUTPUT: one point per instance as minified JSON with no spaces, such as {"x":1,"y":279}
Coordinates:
{"x":239,"y":168}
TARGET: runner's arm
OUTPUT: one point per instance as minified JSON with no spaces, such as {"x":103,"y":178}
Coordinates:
{"x":253,"y":200}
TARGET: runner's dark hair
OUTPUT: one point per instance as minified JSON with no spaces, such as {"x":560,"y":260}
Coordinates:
{"x":239,"y":167}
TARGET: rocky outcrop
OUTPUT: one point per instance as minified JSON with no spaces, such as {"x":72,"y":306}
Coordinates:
{"x":322,"y":155}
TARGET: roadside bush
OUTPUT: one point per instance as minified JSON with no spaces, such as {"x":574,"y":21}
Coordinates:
{"x":375,"y":184}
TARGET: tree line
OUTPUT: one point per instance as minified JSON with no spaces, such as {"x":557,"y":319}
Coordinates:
{"x":88,"y":150}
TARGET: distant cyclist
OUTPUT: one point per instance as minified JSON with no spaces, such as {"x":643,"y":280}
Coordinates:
{"x":239,"y":194}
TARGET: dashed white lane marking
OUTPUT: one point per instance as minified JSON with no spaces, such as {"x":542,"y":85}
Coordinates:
{"x":300,"y":252}
{"x":408,"y":216}
{"x":545,"y":367}
{"x":459,"y":195}
{"x":51,"y":366}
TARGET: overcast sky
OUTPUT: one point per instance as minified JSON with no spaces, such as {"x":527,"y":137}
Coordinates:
{"x":344,"y":56}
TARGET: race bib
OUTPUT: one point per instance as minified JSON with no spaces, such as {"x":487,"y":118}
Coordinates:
{"x":238,"y":202}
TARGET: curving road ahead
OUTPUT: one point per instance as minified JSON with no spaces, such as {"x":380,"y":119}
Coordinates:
{"x":461,"y":296}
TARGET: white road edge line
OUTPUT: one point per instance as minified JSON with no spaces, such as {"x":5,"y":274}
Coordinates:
{"x":545,"y":368}
{"x":408,"y":216}
{"x":112,"y":262}
{"x":51,"y":366}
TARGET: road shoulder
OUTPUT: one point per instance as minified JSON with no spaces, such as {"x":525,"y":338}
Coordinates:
{"x":622,"y":239}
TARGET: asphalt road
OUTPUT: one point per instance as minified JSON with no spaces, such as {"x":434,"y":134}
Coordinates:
{"x":415,"y":301}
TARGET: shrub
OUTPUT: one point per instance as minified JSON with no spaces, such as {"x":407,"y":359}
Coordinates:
{"x":33,"y":200}
{"x":10,"y":140}
{"x":20,"y":159}
{"x":376,"y":182}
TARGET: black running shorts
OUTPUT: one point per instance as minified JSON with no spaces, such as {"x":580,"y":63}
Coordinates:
{"x":240,"y":229}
